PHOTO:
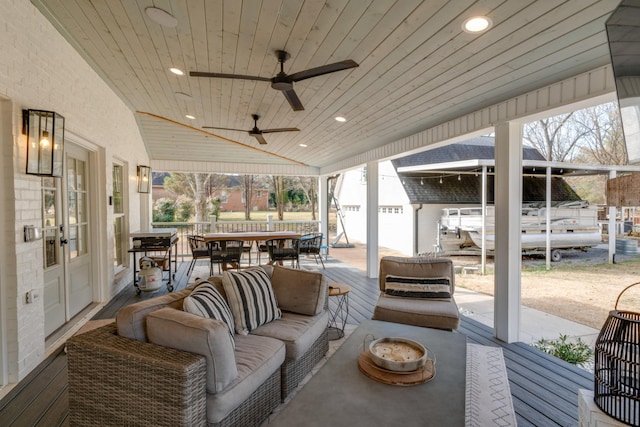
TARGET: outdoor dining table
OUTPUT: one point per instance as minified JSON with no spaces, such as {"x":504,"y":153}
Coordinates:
{"x":250,"y":236}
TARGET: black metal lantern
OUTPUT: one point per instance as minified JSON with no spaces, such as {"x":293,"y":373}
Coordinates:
{"x":45,"y":142}
{"x":144,"y":179}
{"x":617,"y":365}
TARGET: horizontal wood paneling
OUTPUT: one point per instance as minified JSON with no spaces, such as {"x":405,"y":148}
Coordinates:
{"x":419,"y":72}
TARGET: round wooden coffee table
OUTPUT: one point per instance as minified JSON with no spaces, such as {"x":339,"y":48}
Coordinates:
{"x":338,"y":317}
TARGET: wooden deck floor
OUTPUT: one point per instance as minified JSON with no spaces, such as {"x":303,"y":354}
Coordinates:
{"x":544,"y":389}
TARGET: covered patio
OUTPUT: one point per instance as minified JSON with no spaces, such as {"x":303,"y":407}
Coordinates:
{"x":173,"y":86}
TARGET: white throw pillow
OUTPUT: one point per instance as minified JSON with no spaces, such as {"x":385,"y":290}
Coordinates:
{"x":251,"y":298}
{"x":206,"y":301}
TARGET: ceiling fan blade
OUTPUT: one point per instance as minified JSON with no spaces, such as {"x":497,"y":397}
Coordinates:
{"x":259,"y":137}
{"x":280,"y":130}
{"x":227,"y":76}
{"x":213,"y":127}
{"x":293,"y":99}
{"x":324,"y":69}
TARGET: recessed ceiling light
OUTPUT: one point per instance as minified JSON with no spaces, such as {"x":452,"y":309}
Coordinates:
{"x":177,"y":71}
{"x":184,"y":96}
{"x":340,"y":119}
{"x":190,"y":117}
{"x":303,"y":145}
{"x":161,"y":17}
{"x":477,"y":24}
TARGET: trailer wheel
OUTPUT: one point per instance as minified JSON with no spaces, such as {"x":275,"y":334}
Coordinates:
{"x":556,"y":255}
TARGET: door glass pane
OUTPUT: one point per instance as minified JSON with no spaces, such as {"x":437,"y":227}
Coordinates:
{"x":119,"y":254}
{"x":80,"y":181}
{"x":50,"y":248}
{"x":77,"y":208}
{"x":71,"y":173}
{"x":48,"y":182}
{"x":49,"y":206}
{"x":117,"y":189}
{"x":73,"y":217}
{"x":50,"y":222}
{"x":80,"y":209}
{"x":72,"y":237}
{"x":77,"y":240}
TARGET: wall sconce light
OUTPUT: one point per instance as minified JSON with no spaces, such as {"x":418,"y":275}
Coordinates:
{"x":144,"y":179}
{"x":45,"y":142}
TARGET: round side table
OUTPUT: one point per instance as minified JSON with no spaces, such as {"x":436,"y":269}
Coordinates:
{"x":338,"y":317}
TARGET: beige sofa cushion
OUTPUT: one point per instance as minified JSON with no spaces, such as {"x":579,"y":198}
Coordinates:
{"x":297,"y":331}
{"x":131,"y":319}
{"x":299,"y":291}
{"x":439,"y":314}
{"x":257,"y":358}
{"x":184,"y":331}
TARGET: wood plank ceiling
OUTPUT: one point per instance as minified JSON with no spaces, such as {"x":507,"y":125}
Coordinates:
{"x":417,"y":67}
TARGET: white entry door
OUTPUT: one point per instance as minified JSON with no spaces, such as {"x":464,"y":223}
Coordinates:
{"x":67,"y":259}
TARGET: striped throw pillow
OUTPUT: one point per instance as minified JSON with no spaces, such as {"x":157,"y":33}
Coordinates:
{"x":418,"y":287}
{"x":206,"y":301}
{"x":251,"y":298}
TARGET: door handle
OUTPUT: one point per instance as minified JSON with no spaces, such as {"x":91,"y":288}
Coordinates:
{"x":63,"y":241}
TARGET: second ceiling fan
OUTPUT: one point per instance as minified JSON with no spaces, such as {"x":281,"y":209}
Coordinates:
{"x":283,"y":81}
{"x":255,"y":132}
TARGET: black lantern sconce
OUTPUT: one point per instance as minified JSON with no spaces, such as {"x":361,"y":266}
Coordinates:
{"x":144,"y":179}
{"x":45,"y":142}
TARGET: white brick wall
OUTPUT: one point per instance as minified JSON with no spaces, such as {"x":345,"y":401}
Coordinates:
{"x":39,"y":69}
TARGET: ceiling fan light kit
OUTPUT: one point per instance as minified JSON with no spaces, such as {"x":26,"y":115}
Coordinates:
{"x":283,"y":81}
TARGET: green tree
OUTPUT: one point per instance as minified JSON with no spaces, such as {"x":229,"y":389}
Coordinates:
{"x":184,"y":209}
{"x":306,"y":188}
{"x":164,"y":210}
{"x":248,"y":183}
{"x":214,"y":204}
{"x":199,"y":187}
{"x":279,"y":194}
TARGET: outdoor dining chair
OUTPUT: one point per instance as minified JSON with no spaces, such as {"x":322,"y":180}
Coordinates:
{"x":310,"y":244}
{"x":225,"y":253}
{"x":199,"y":250}
{"x":284,"y":250}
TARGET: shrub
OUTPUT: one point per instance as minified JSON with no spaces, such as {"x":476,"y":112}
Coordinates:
{"x":576,"y":352}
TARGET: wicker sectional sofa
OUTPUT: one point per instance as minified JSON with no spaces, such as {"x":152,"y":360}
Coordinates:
{"x":197,"y":376}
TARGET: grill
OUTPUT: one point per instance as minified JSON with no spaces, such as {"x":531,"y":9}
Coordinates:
{"x":617,"y":365}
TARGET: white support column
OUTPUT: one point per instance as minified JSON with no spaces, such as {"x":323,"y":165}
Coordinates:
{"x":483,"y":248}
{"x":612,"y":229}
{"x":508,"y":251}
{"x":548,"y":219}
{"x":323,"y":207}
{"x":372,"y":220}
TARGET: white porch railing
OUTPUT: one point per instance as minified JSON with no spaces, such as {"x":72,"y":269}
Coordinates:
{"x":188,"y":228}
